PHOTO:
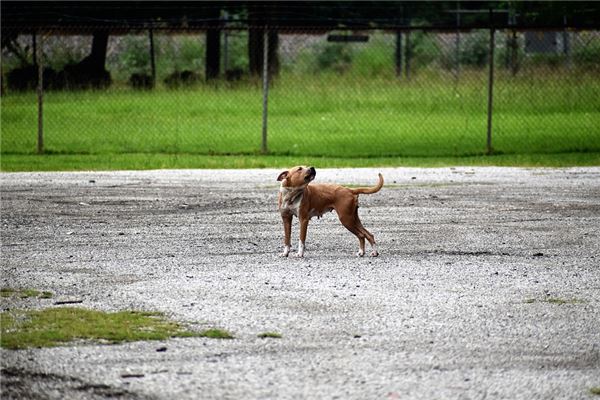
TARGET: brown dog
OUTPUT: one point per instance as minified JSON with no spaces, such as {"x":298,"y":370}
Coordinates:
{"x":297,"y":197}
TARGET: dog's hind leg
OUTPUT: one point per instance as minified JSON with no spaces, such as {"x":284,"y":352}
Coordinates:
{"x":367,"y":235}
{"x":371,"y":240}
{"x":353,"y":225}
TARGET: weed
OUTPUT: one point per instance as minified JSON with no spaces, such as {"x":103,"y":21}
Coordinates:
{"x":595,"y":390}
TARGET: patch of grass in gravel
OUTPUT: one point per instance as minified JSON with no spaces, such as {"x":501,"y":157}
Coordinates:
{"x":554,"y":300}
{"x":24,"y":293}
{"x":269,"y":335}
{"x":559,"y":301}
{"x":56,"y":326}
{"x":6,"y":292}
{"x":595,"y":390}
{"x":216,"y":334}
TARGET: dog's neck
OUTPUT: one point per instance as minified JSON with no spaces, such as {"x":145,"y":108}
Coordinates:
{"x":291,"y":198}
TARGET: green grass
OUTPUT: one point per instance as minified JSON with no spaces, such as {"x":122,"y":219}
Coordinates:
{"x":559,"y":301}
{"x":595,"y":391}
{"x":57,"y":326}
{"x":554,"y":300}
{"x":24,"y":293}
{"x":269,"y":335}
{"x":137,"y":161}
{"x":6,"y":292}
{"x":215,"y":333}
{"x":341,"y":120}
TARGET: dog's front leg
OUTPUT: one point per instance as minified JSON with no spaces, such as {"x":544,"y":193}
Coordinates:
{"x":287,"y":232}
{"x":303,"y":229}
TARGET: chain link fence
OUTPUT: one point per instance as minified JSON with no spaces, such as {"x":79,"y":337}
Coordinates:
{"x":331,"y":93}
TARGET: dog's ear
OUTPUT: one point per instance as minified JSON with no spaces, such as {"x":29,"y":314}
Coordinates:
{"x":282,"y":176}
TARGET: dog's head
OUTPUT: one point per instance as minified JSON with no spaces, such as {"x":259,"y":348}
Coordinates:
{"x":297,"y":176}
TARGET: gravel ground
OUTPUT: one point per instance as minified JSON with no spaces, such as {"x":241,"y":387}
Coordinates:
{"x":487,"y":287}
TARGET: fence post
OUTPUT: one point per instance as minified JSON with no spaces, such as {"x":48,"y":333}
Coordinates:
{"x":152,"y":61}
{"x":457,"y":42}
{"x":40,"y":94}
{"x":490,"y":86}
{"x":398,"y":55}
{"x":265,"y":79}
{"x":407,"y":55}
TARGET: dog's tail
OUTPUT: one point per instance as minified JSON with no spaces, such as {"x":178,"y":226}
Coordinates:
{"x":370,"y":190}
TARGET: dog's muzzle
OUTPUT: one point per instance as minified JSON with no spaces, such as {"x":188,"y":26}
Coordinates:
{"x":311,"y":174}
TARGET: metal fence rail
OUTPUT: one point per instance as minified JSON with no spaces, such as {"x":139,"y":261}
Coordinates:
{"x":360,"y":94}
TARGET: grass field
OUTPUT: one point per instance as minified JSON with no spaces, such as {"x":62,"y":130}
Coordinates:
{"x":381,"y":121}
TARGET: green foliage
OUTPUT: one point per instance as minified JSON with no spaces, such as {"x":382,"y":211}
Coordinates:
{"x":334,"y":56}
{"x":546,"y":60}
{"x":588,"y":56}
{"x":57,"y":326}
{"x":135,"y":57}
{"x":65,"y":52}
{"x":374,"y":58}
{"x":422,"y":49}
{"x":179,"y":53}
{"x":509,"y":51}
{"x":237,"y":54}
{"x":475,"y":49}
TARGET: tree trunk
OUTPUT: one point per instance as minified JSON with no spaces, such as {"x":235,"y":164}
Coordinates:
{"x":97,"y":58}
{"x":255,"y":52}
{"x":213,"y":53}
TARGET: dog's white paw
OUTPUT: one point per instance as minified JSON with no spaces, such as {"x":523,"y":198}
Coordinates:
{"x":374,"y":253}
{"x":360,"y":253}
{"x":286,"y":251}
{"x":301,"y":247}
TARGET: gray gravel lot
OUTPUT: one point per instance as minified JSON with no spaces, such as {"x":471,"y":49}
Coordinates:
{"x":487,"y":287}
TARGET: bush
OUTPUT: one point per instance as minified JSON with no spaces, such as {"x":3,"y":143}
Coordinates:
{"x":180,"y":79}
{"x":375,"y":57}
{"x":588,"y":56}
{"x":135,"y":58}
{"x":179,"y":53}
{"x":423,"y":49}
{"x":334,"y":56}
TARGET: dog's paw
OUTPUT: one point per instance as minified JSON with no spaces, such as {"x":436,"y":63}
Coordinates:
{"x":299,"y":255}
{"x":374,"y":253}
{"x":360,"y":253}
{"x":286,"y":251}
